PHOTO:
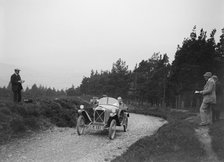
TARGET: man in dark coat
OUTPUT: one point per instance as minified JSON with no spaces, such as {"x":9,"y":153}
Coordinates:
{"x":16,"y":83}
{"x":219,"y":98}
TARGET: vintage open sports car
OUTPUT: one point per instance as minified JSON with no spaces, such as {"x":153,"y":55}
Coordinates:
{"x":108,"y":114}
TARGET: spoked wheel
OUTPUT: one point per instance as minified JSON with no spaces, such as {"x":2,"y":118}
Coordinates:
{"x":112,"y":129}
{"x":80,"y":125}
{"x":125,"y":124}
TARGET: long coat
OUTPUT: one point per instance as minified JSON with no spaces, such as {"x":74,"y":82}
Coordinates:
{"x":208,"y":92}
{"x":16,"y":85}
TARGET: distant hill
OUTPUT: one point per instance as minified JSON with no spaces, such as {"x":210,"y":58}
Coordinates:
{"x":54,"y":78}
{"x":27,"y":74}
{"x":6,"y":71}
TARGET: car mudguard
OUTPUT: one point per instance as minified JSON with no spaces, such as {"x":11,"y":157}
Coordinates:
{"x":85,"y":115}
{"x":111,"y":118}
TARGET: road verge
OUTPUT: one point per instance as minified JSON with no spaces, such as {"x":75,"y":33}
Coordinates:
{"x":176,"y":141}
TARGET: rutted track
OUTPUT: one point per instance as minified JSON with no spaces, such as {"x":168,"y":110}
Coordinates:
{"x":63,"y":144}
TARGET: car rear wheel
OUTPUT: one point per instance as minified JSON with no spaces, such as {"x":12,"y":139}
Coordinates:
{"x":112,"y":129}
{"x":125,"y":124}
{"x":80,"y":125}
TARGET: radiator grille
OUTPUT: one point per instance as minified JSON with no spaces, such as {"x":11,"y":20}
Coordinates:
{"x":99,"y":116}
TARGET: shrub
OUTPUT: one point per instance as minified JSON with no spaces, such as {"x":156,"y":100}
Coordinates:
{"x":15,"y":118}
{"x":5,"y":118}
{"x":217,"y":134}
{"x":4,"y":110}
{"x":17,"y":124}
{"x":175,"y":141}
{"x":32,"y":123}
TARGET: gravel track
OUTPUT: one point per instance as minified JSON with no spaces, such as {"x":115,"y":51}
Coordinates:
{"x":64,"y":145}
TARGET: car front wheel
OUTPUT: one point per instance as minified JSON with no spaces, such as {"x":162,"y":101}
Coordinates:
{"x":80,"y":125}
{"x":112,"y":129}
{"x":125,"y":125}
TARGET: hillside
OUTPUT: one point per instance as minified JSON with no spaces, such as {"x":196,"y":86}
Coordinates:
{"x":53,"y":77}
{"x":5,"y":71}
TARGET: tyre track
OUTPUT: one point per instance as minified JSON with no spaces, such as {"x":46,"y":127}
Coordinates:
{"x":63,"y":144}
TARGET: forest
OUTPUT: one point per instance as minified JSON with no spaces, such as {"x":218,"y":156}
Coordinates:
{"x":154,"y":81}
{"x":158,"y":82}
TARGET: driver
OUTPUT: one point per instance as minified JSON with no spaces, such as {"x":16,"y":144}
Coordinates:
{"x":120,"y":101}
{"x":121,"y":104}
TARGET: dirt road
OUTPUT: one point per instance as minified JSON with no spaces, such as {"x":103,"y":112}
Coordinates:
{"x":64,"y":145}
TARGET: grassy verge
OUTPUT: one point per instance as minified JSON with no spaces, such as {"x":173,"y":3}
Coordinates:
{"x":217,"y":134}
{"x":154,"y":112}
{"x":41,"y":114}
{"x":175,"y":141}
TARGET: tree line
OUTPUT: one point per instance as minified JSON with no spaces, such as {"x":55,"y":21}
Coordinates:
{"x":156,"y":80}
{"x":33,"y":92}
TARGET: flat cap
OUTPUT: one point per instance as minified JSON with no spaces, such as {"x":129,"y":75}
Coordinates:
{"x":208,"y":74}
{"x":17,"y":69}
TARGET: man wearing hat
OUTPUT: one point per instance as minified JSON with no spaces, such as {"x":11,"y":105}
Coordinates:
{"x":209,"y":99}
{"x":219,"y":99}
{"x":120,"y":100}
{"x":16,"y":86}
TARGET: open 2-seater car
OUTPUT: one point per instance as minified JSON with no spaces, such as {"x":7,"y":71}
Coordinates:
{"x":108,"y":114}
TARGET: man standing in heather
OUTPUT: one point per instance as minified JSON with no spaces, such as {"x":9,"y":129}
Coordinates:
{"x":17,"y":87}
{"x":209,"y":99}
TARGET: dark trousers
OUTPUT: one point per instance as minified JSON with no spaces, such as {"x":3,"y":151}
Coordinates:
{"x":17,"y":96}
{"x":215,"y":114}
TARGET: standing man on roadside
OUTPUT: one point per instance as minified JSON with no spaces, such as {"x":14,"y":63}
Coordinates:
{"x":16,"y":86}
{"x":209,"y":99}
{"x":219,"y":98}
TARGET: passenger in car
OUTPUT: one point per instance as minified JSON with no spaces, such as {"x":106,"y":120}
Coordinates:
{"x":120,"y":101}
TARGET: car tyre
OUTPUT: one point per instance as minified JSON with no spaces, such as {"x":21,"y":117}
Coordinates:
{"x":112,"y":129}
{"x":80,"y":125}
{"x":125,"y":125}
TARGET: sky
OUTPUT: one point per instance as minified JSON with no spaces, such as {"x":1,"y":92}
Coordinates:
{"x":56,"y":43}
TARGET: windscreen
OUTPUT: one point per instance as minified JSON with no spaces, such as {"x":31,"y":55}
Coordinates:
{"x":108,"y":101}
